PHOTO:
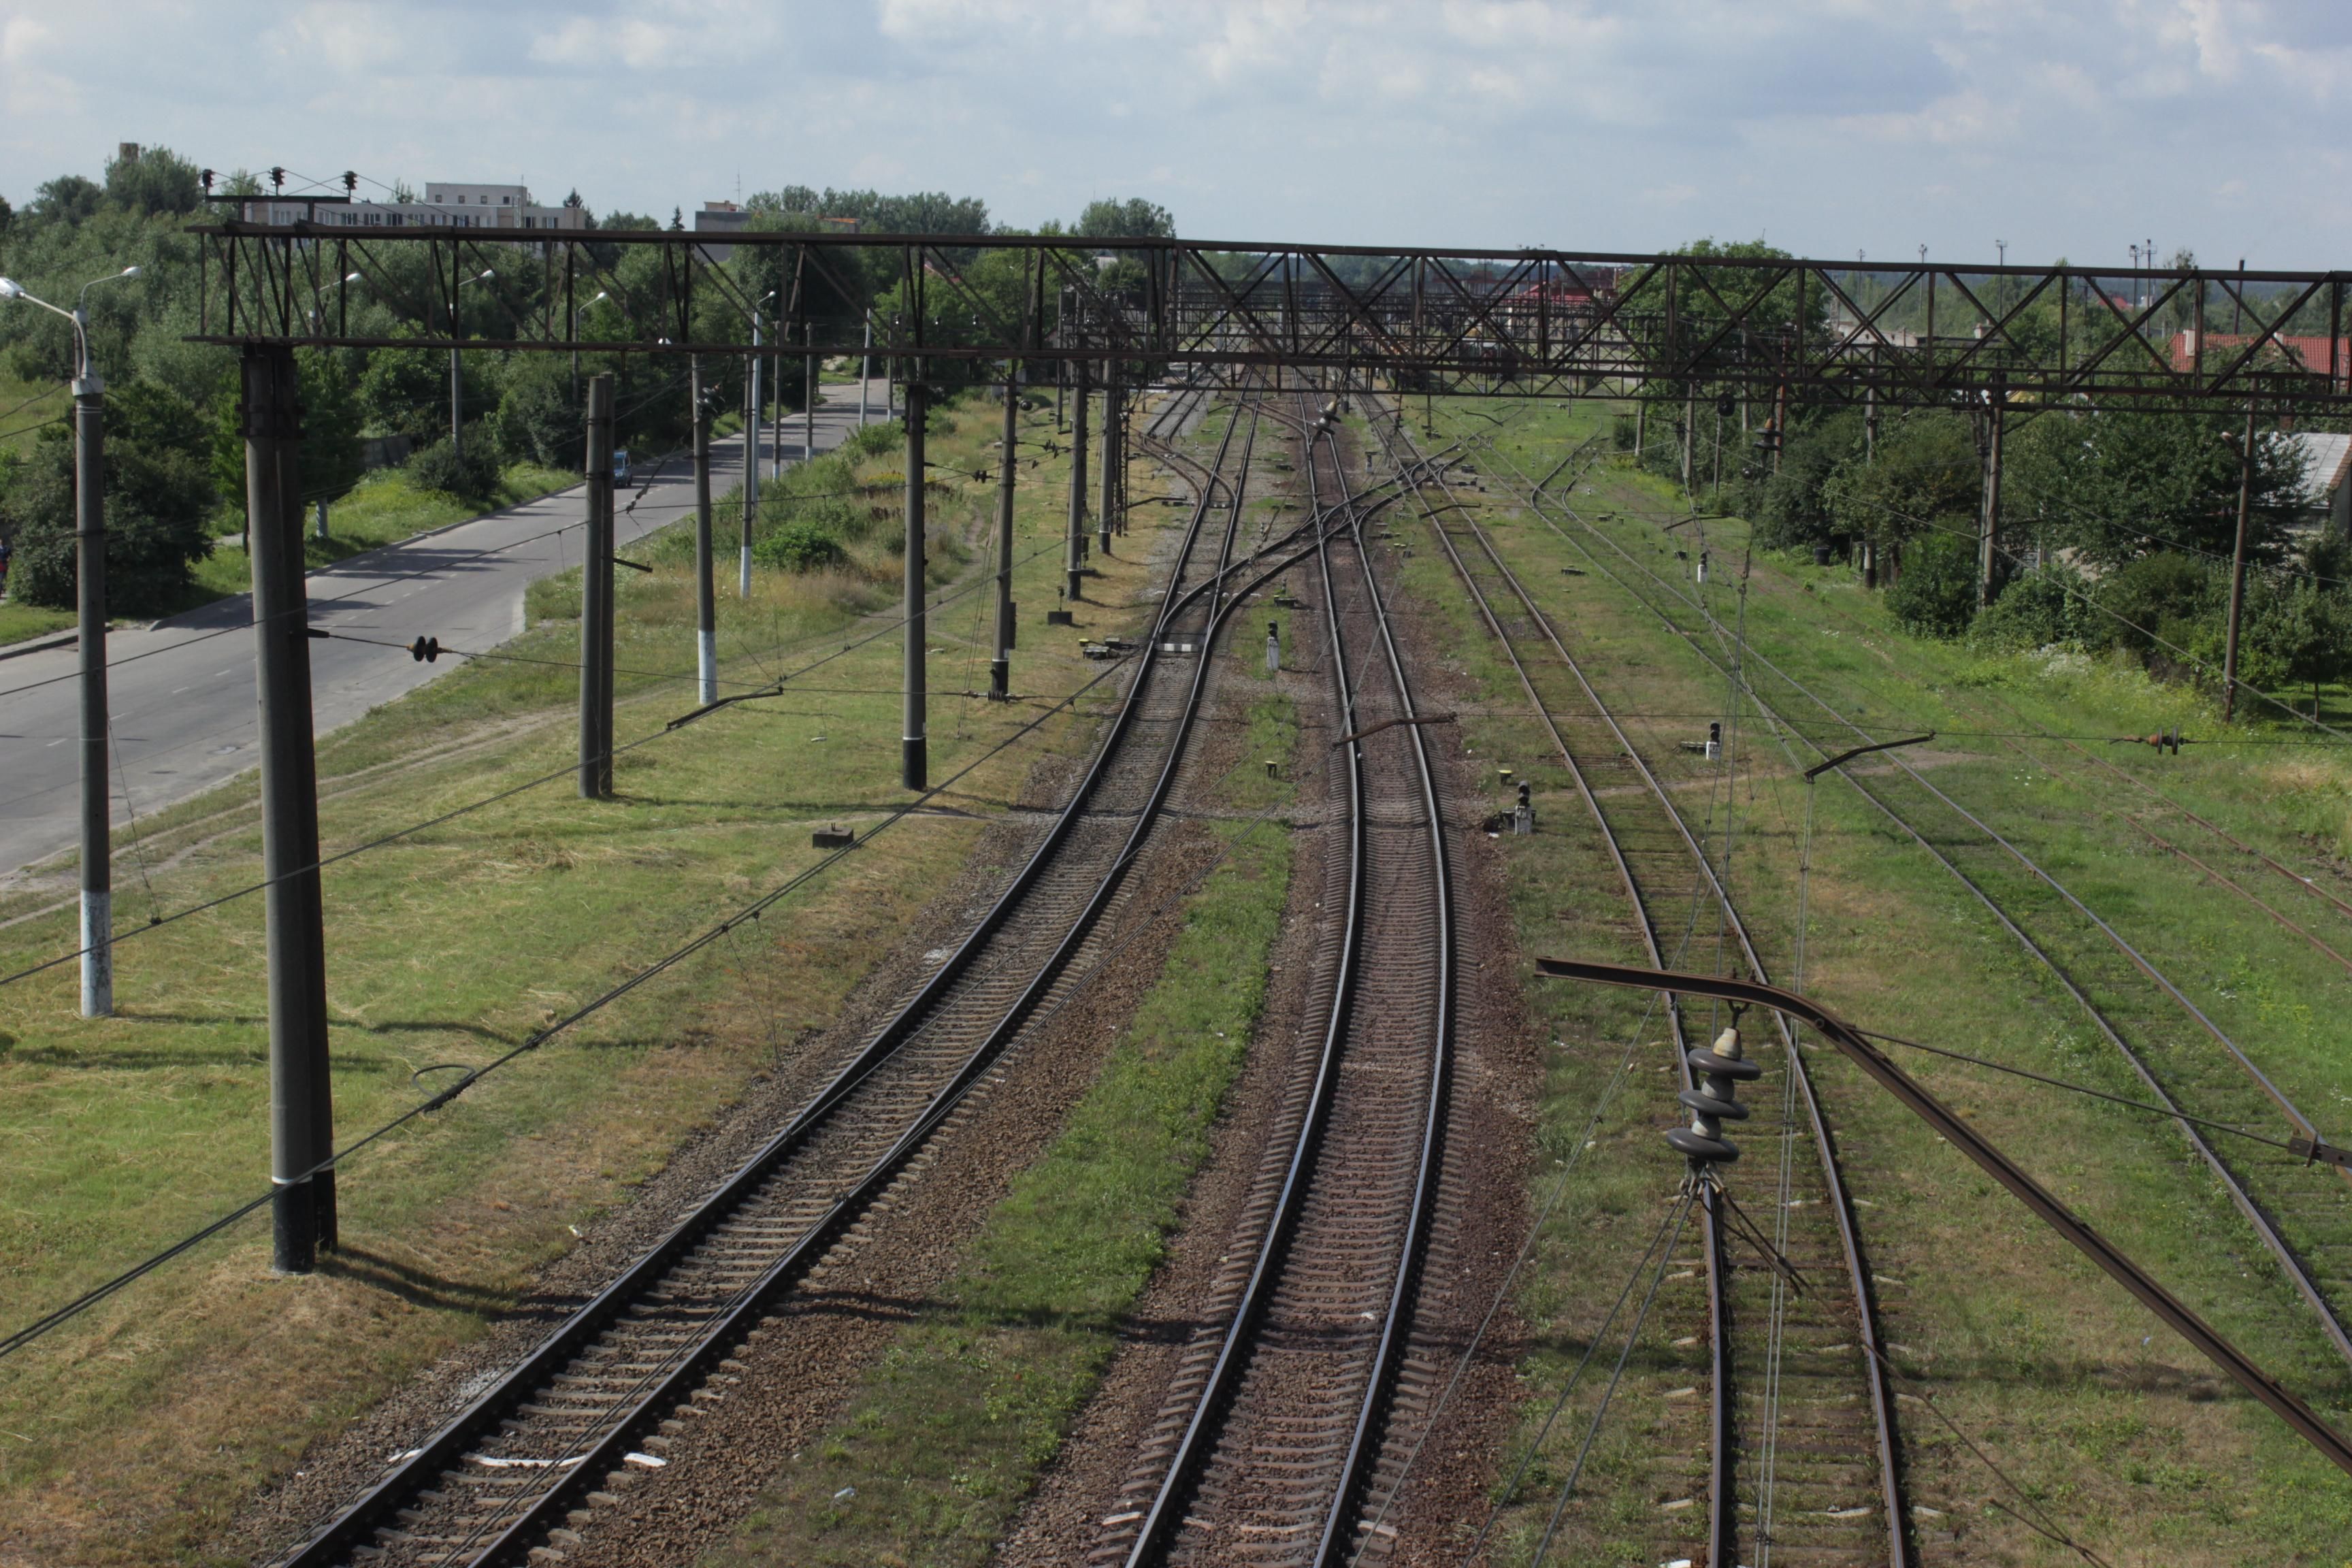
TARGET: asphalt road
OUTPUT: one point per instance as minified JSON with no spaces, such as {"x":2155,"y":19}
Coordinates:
{"x":182,"y":693}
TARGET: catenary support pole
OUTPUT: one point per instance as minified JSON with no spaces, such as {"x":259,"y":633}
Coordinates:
{"x":1112,"y":415}
{"x":596,"y":600}
{"x":999,"y":668}
{"x":300,"y":1109}
{"x":1988,"y":517}
{"x":915,"y":770}
{"x":2237,"y":571}
{"x":89,"y":559}
{"x":1077,"y":539}
{"x":808,"y":408}
{"x":865,"y":371}
{"x":706,"y":588}
{"x":456,"y":403}
{"x":751,"y":467}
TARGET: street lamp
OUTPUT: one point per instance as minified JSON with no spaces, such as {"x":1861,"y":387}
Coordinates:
{"x":89,"y":562}
{"x":457,"y":387}
{"x":601,"y":294}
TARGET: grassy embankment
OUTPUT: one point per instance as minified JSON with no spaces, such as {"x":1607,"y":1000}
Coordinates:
{"x":128,"y":1436}
{"x":935,"y":1453}
{"x":2117,"y":1428}
{"x":384,"y":509}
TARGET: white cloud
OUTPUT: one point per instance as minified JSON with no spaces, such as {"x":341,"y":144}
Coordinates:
{"x":1610,"y":125}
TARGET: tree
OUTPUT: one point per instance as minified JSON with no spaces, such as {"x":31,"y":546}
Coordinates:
{"x":69,"y":199}
{"x":157,"y":181}
{"x":159,"y":492}
{"x":2119,"y":486}
{"x":1925,"y":476}
{"x":1133,"y":218}
{"x":1937,"y":593}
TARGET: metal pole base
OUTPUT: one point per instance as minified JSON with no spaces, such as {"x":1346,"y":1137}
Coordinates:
{"x":1000,"y":679}
{"x":322,"y":1209}
{"x":1102,"y":542}
{"x":707,"y":665}
{"x":1077,"y":584}
{"x":743,"y":586}
{"x":914,"y":770}
{"x":294,"y":1246}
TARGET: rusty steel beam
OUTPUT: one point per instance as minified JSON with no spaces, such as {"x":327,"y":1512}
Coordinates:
{"x":2240,"y":1367}
{"x":1463,"y":322}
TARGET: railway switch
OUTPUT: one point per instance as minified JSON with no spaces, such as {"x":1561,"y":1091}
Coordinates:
{"x":1719,"y":1072}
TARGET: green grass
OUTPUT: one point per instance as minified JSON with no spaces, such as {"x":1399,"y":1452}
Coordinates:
{"x":384,"y":509}
{"x":20,"y":622}
{"x":2034,"y":1354}
{"x":132,"y":1434}
{"x":945,"y":1439}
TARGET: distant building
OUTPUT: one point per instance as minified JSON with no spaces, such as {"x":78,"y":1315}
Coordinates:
{"x":2319,"y":355}
{"x":720,"y":217}
{"x":444,"y":206}
{"x":2327,"y":469}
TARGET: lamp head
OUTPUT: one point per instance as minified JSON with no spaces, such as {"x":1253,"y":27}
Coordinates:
{"x":131,"y":271}
{"x":11,"y":290}
{"x":353,"y":277}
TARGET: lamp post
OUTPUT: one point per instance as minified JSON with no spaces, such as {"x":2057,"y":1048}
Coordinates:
{"x":601,"y":294}
{"x":457,"y":387}
{"x":89,"y":562}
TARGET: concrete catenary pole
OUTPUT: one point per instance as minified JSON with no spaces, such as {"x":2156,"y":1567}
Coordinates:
{"x":1077,"y":539}
{"x":300,"y":1102}
{"x":1113,"y":412}
{"x":751,"y":466}
{"x":596,"y":600}
{"x":706,"y":587}
{"x":89,"y":559}
{"x":808,"y":409}
{"x":915,"y":769}
{"x":2238,"y":571}
{"x":1989,"y":518}
{"x":999,"y":668}
{"x":865,"y":370}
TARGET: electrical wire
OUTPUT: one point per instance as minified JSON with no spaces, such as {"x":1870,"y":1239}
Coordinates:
{"x":51,"y":1321}
{"x":568,"y":769}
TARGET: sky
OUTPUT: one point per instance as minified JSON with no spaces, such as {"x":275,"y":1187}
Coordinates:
{"x":1830,"y":128}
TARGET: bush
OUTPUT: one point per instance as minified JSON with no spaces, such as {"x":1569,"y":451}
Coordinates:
{"x":1935,"y":596}
{"x":2043,"y":607}
{"x":801,"y":545}
{"x":159,"y":488}
{"x":2167,"y":594}
{"x":472,"y":477}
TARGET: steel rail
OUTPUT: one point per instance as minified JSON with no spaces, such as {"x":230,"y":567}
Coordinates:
{"x":448,"y":1444}
{"x":1379,"y":1386}
{"x":1154,"y":1535}
{"x":2242,"y":1196}
{"x":1956,"y":1129}
{"x":1723,"y":1486}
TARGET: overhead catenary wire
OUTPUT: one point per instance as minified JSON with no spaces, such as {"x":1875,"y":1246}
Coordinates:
{"x":569,"y":771}
{"x":50,"y":1322}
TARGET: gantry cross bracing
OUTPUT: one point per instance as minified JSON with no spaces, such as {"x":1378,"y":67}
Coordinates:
{"x":1460,"y":321}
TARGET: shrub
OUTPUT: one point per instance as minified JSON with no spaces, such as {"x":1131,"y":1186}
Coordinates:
{"x":1935,"y":595}
{"x":2041,"y":608}
{"x":472,"y":475}
{"x":801,"y":545}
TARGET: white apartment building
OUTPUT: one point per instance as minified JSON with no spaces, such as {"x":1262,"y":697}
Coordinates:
{"x":444,"y":206}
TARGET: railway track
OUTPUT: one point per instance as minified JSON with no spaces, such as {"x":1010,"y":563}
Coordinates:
{"x":511,"y":1473}
{"x":2300,"y":1219}
{"x":1277,"y":1433}
{"x":1800,"y":1440}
